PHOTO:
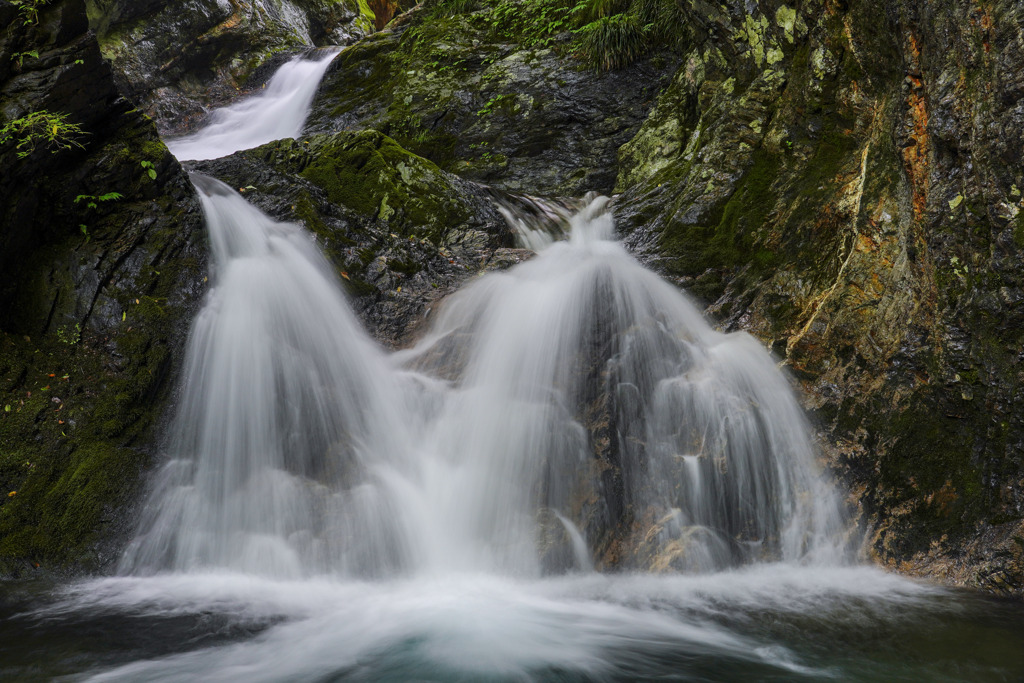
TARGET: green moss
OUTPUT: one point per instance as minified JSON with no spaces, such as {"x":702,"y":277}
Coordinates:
{"x":76,"y":409}
{"x":62,"y":504}
{"x":1018,"y":230}
{"x":65,"y":474}
{"x":307,"y":212}
{"x":728,"y":241}
{"x":368,"y":172}
{"x":931,"y":463}
{"x":612,"y":42}
{"x":357,"y":288}
{"x":366,"y":17}
{"x":409,"y":267}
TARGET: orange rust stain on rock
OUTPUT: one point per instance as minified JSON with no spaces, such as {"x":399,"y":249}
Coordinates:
{"x":866,"y":243}
{"x":986,"y":28}
{"x":915,"y":156}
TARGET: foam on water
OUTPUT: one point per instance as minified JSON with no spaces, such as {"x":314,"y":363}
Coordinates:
{"x":477,"y":626}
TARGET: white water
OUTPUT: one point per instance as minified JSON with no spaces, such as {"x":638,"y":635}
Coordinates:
{"x":380,"y":517}
{"x":338,"y":514}
{"x":284,"y":404}
{"x":278,"y":111}
{"x":479,"y":627}
{"x":301,"y":451}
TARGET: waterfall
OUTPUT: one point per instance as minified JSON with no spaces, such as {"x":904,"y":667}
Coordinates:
{"x":572,"y":402}
{"x":585,"y":385}
{"x":330,"y":511}
{"x":278,"y":111}
{"x":283,"y":401}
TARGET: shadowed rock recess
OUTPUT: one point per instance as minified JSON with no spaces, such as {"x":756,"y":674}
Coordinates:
{"x":96,"y":295}
{"x":842,"y":179}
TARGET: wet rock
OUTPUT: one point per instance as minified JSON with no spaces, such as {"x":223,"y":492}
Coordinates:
{"x":517,"y":117}
{"x":102,"y":265}
{"x":856,"y":204}
{"x":177,"y":60}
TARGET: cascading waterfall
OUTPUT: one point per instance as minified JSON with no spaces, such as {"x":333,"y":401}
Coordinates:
{"x":583,"y":342}
{"x":278,"y":111}
{"x":300,"y":450}
{"x":330,"y":512}
{"x":284,"y":401}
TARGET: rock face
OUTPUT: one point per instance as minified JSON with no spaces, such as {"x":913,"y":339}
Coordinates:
{"x":96,"y":294}
{"x":175,"y":60}
{"x":515,"y":114}
{"x":843,"y":181}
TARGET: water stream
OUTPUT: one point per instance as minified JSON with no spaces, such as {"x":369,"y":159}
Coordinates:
{"x":278,"y":111}
{"x":331,"y":512}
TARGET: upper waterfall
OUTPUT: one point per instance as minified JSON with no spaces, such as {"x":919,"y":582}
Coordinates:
{"x":278,"y":111}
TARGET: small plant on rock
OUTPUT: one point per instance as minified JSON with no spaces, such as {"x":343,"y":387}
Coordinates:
{"x":30,"y":9}
{"x":619,"y":32}
{"x":93,"y":201}
{"x":68,"y":335}
{"x":19,"y":57}
{"x":612,"y":42}
{"x":51,"y":129}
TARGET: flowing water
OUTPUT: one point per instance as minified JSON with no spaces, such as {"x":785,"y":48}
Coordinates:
{"x":278,"y":111}
{"x":331,"y":512}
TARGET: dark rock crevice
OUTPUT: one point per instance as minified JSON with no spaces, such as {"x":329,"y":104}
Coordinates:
{"x":95,"y":300}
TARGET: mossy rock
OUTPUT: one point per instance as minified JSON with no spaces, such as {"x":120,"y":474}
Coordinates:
{"x":95,"y":305}
{"x":370,"y":174}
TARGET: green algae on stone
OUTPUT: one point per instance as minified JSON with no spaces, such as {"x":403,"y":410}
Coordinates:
{"x":371,"y":174}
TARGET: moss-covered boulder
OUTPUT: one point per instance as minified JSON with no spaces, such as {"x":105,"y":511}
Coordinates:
{"x":489,"y":102}
{"x":843,"y":180}
{"x":103,"y":259}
